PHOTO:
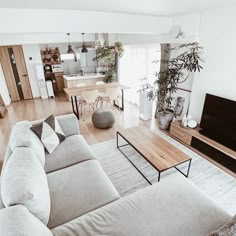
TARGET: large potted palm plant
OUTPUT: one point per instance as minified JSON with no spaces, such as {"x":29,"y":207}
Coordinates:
{"x":174,"y":70}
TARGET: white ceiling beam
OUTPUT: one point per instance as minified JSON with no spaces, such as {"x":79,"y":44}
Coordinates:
{"x":58,"y":21}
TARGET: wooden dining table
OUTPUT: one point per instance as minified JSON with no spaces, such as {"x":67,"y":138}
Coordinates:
{"x":74,"y":92}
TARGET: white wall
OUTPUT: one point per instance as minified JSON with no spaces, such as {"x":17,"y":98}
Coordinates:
{"x":32,"y":50}
{"x":135,"y":39}
{"x":51,"y":21}
{"x":218,"y":36}
{"x":128,"y":38}
{"x":3,"y":88}
{"x":189,"y":24}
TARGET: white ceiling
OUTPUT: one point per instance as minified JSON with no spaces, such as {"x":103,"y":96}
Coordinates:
{"x":147,"y":7}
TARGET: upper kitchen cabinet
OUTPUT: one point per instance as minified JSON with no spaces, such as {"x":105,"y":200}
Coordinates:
{"x":86,"y":59}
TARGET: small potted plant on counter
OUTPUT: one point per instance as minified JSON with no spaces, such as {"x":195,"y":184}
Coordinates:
{"x":173,"y":72}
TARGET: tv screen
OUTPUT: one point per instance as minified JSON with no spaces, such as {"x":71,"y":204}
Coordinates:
{"x":218,"y":120}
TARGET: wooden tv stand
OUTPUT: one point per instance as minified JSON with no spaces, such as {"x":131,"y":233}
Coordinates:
{"x":220,"y":155}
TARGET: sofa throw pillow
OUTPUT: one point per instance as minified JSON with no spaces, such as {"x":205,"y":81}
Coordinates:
{"x":50,"y":133}
{"x":24,"y":182}
{"x":229,"y":229}
{"x":22,"y":136}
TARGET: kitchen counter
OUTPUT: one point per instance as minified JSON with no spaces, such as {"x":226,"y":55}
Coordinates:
{"x":86,"y":76}
{"x":75,"y":80}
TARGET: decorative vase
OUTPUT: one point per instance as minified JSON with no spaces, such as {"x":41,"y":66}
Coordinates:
{"x":165,"y":119}
{"x":185,"y":121}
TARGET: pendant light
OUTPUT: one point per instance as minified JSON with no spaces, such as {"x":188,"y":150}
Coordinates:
{"x":84,"y":49}
{"x":70,"y":50}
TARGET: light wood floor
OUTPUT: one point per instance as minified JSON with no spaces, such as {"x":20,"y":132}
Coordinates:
{"x":38,"y":109}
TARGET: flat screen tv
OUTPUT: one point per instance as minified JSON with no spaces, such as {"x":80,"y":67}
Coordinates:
{"x":218,"y":120}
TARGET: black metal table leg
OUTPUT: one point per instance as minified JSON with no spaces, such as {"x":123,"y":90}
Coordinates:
{"x":72,"y":103}
{"x":117,"y":142}
{"x":75,"y":106}
{"x":189,"y":167}
{"x":159,"y":176}
{"x":122,"y":101}
{"x":186,"y":175}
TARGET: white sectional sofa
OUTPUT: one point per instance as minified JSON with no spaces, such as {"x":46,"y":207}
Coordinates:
{"x":67,"y":193}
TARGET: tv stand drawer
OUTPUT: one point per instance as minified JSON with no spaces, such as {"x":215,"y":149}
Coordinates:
{"x":182,"y":136}
{"x":214,"y":154}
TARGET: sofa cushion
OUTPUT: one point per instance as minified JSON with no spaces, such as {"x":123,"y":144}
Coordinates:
{"x":50,"y":133}
{"x":77,"y":190}
{"x":72,"y":150}
{"x":229,"y":229}
{"x":18,"y":221}
{"x":24,"y":182}
{"x":23,"y":136}
{"x":69,"y":124}
{"x":174,"y":206}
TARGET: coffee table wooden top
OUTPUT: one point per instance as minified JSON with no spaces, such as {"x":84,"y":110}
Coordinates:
{"x":160,"y":153}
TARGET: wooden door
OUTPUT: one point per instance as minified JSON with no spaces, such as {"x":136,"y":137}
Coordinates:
{"x":15,"y":72}
{"x":8,"y":73}
{"x":59,"y":81}
{"x":22,"y":71}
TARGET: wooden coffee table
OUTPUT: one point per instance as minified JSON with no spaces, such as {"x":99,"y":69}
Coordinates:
{"x":159,"y":153}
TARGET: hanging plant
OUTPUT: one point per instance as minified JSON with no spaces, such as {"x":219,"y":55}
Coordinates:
{"x":110,"y":76}
{"x":119,"y":48}
{"x":107,"y":58}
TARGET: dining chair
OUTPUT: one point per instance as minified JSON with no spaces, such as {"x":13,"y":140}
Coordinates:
{"x":89,"y":99}
{"x":80,"y":98}
{"x":102,"y":96}
{"x":113,"y":95}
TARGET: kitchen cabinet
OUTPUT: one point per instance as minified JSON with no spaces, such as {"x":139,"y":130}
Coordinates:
{"x":59,"y":81}
{"x":88,"y":79}
{"x":86,"y":59}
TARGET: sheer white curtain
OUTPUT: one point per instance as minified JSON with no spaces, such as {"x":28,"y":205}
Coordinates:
{"x":137,"y":63}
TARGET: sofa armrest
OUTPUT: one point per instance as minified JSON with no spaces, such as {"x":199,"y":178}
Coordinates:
{"x":173,"y":206}
{"x":1,"y":203}
{"x":69,"y":124}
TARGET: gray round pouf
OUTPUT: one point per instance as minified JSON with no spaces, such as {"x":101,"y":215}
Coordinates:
{"x":103,"y":119}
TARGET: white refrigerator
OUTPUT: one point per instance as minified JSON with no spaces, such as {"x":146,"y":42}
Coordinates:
{"x":41,"y":81}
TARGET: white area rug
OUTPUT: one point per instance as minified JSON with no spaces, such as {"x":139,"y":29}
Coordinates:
{"x":216,"y":183}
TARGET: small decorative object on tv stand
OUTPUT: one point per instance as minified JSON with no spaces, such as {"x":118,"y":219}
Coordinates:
{"x":188,"y":122}
{"x":192,"y":124}
{"x":213,"y":151}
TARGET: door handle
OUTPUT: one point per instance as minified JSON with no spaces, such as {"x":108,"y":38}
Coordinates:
{"x":25,"y":75}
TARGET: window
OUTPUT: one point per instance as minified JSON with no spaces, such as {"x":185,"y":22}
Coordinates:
{"x":137,"y":63}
